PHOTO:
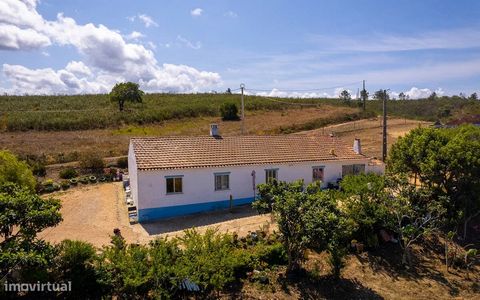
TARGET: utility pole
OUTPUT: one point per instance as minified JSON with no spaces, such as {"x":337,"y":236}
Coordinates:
{"x":364,"y":96}
{"x":384,"y":149}
{"x":242,"y":87}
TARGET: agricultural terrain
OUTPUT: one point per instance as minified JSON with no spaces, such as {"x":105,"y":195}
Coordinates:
{"x":58,"y":129}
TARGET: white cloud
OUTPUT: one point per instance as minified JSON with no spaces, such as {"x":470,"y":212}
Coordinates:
{"x":15,"y":38}
{"x":196,"y":12}
{"x":197,"y":45}
{"x":230,"y":14}
{"x":134,"y":35}
{"x":108,"y":57}
{"x":78,"y":67}
{"x":462,"y":38}
{"x":147,"y":21}
{"x":419,"y":93}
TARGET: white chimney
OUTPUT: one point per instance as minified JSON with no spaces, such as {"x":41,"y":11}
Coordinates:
{"x":357,"y":147}
{"x":214,"y":130}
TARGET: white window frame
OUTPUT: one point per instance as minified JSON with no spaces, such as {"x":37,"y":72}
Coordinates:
{"x":222,"y":175}
{"x":174,"y":178}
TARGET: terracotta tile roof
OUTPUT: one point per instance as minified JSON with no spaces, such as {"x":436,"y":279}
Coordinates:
{"x":207,"y":151}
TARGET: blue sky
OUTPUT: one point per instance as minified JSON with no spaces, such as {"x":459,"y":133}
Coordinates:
{"x":277,"y":48}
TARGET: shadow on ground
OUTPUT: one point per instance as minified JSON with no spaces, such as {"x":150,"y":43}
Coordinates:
{"x":326,"y":287}
{"x":198,"y":220}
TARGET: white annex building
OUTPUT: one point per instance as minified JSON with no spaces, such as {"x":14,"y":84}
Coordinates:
{"x":172,"y":176}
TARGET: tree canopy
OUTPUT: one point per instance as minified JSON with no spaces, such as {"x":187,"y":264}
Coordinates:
{"x":447,"y":161}
{"x":126,"y":91}
{"x":12,"y":170}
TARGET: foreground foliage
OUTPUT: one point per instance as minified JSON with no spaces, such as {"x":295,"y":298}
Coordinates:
{"x":447,"y":163}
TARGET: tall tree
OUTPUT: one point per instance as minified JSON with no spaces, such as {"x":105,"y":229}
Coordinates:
{"x":433,"y":96}
{"x":380,"y":94}
{"x":345,"y":95}
{"x":126,"y":91}
{"x":473,"y":96}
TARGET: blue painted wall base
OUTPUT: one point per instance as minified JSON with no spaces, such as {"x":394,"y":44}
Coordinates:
{"x":152,"y":214}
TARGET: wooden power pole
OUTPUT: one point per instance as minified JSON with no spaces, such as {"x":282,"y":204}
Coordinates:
{"x":384,"y":149}
{"x":364,"y":97}
{"x":242,"y":87}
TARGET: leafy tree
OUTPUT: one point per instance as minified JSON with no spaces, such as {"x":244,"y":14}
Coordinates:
{"x":75,"y":262}
{"x":308,"y":219}
{"x":433,"y":96}
{"x":207,"y":259}
{"x":229,"y":91}
{"x":267,"y":191}
{"x":473,"y":96}
{"x":23,"y":214}
{"x":126,"y":91}
{"x":362,"y":202}
{"x":124,"y":270}
{"x":414,"y":212}
{"x":345,"y":95}
{"x":15,"y":171}
{"x":402,"y":96}
{"x":380,"y":94}
{"x":229,"y":112}
{"x":447,"y":162}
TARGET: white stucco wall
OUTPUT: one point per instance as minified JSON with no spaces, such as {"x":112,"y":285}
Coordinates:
{"x":132,"y":174}
{"x":198,"y":184}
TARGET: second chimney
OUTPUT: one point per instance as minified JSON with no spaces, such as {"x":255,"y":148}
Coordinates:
{"x":357,"y":147}
{"x":214,"y":129}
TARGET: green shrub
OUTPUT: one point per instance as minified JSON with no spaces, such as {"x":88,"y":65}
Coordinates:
{"x":65,"y":185}
{"x":91,"y":161}
{"x":75,"y":262}
{"x":229,"y":112}
{"x":209,"y":259}
{"x":39,"y":169}
{"x":122,"y":162}
{"x":68,"y":173}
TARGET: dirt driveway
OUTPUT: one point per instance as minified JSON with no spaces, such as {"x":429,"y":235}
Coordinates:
{"x":90,"y":213}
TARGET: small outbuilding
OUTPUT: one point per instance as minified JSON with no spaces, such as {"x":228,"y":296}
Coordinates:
{"x":180,"y":175}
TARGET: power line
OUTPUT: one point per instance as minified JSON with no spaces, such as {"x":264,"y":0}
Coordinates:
{"x":305,"y":90}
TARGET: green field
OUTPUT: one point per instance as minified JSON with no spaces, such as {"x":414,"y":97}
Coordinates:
{"x":22,"y":113}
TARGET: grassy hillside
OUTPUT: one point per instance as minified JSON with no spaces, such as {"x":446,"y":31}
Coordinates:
{"x":20,"y":113}
{"x":444,"y":109}
{"x":80,"y":112}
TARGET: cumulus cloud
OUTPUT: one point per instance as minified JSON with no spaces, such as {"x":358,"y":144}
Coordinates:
{"x":416,"y":93}
{"x":108,"y":57}
{"x":78,"y":67}
{"x":15,"y":38}
{"x":196,"y":12}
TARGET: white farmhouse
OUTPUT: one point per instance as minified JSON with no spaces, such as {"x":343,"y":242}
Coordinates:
{"x":172,"y":176}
